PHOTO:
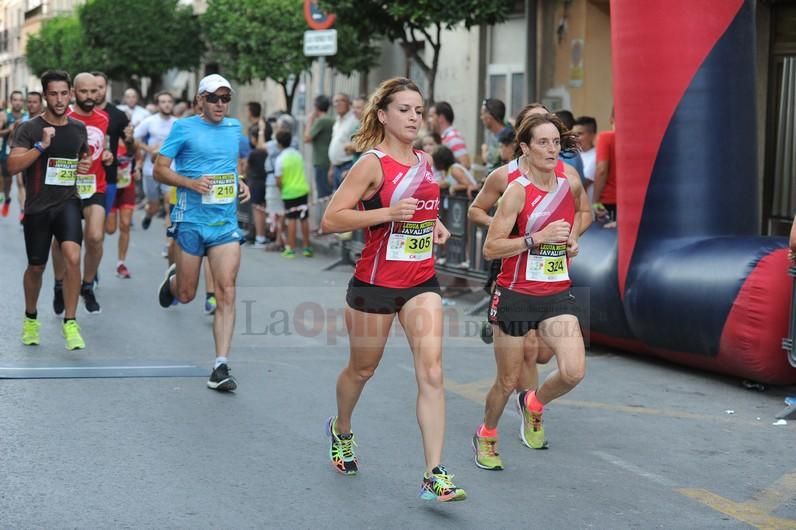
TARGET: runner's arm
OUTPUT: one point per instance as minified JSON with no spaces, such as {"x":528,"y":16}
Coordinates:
{"x":498,"y":244}
{"x":164,"y":174}
{"x":21,"y":159}
{"x":486,"y":198}
{"x":363,"y":179}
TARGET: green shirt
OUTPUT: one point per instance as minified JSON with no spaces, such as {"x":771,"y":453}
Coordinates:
{"x":290,"y":168}
{"x":321,"y":134}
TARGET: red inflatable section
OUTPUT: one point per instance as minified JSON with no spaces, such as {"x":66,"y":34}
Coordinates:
{"x":761,"y":304}
{"x":650,"y":77}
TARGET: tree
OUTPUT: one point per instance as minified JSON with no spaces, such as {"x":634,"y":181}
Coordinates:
{"x":258,"y":39}
{"x":262,"y":39}
{"x":61,"y":45}
{"x":415,"y":23}
{"x":141,"y":38}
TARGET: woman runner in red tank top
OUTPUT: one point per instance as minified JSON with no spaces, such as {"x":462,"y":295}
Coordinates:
{"x":391,"y":194}
{"x":531,"y":233}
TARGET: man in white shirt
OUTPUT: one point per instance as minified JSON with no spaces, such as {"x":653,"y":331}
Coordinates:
{"x":585,"y":130}
{"x":149,"y":135}
{"x":344,"y":126}
{"x":135,"y":113}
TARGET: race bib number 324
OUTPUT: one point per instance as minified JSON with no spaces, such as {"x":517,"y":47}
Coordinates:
{"x":548,"y":263}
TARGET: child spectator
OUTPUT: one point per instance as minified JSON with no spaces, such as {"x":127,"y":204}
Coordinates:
{"x":292,"y":183}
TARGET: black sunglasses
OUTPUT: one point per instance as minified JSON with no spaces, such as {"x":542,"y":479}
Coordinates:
{"x":214,"y":98}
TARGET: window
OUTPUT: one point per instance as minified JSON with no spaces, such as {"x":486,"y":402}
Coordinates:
{"x":506,"y":82}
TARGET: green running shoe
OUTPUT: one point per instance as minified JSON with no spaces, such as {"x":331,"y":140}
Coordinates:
{"x":486,"y":455}
{"x":341,"y":449}
{"x":72,"y":335}
{"x":288,"y":253}
{"x":439,"y":486}
{"x":30,"y":332}
{"x":531,"y":429}
{"x":307,"y":252}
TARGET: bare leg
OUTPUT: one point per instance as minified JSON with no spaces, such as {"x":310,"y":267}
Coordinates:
{"x":421,"y":318}
{"x":126,"y":215}
{"x":58,"y":261}
{"x":224,"y":262}
{"x":210,"y":284}
{"x":367,"y":335}
{"x":259,"y":220}
{"x":291,"y":233}
{"x":31,"y":282}
{"x":562,"y":334}
{"x":305,"y":232}
{"x":509,"y":359}
{"x":93,"y":236}
{"x":71,"y":263}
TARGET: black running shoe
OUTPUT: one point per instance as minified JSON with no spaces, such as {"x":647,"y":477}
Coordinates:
{"x":146,"y":222}
{"x":90,"y":301}
{"x":165,"y":298}
{"x":221,"y":380}
{"x":58,"y":299}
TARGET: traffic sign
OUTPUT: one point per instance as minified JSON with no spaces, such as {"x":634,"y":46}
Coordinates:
{"x":317,"y":19}
{"x":320,"y":43}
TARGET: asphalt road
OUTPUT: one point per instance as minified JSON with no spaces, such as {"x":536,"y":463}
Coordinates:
{"x":639,"y":444}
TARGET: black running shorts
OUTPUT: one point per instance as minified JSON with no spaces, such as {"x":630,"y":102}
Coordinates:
{"x":98,"y":199}
{"x":370,"y":298}
{"x":63,"y":222}
{"x":516,"y":314}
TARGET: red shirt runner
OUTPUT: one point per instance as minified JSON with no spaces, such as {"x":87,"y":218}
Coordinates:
{"x":400,"y":254}
{"x":96,"y":128}
{"x":542,"y":271}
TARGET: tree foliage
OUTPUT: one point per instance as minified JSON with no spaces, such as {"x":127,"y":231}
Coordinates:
{"x":263,"y":39}
{"x":142,"y":38}
{"x":61,"y":45}
{"x":258,"y":39}
{"x":414,"y":23}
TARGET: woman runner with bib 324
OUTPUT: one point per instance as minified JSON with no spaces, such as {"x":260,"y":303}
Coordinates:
{"x":531,"y":233}
{"x":391,"y":193}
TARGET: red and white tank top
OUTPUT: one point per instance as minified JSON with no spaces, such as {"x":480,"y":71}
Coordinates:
{"x":96,"y":129}
{"x":400,"y":254}
{"x":542,"y":271}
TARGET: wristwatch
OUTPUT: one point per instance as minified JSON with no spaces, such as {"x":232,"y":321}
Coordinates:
{"x":40,"y":148}
{"x":529,"y":241}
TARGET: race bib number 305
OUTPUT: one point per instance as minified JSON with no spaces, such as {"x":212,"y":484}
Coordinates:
{"x":411,"y":241}
{"x":86,"y":185}
{"x":61,"y":171}
{"x":548,"y":263}
{"x":223,"y":190}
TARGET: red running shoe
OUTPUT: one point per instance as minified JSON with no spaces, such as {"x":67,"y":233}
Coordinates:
{"x":122,"y":272}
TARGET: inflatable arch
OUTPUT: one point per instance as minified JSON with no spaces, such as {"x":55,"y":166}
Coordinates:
{"x":684,"y":276}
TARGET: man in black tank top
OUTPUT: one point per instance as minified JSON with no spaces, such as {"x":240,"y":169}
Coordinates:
{"x":51,"y":149}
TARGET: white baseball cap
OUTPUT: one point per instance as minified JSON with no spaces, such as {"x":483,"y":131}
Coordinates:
{"x":213,"y":82}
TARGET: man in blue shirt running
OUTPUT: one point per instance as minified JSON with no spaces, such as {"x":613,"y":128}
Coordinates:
{"x":204,"y":149}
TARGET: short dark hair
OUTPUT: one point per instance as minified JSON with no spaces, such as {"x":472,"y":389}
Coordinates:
{"x":97,"y":73}
{"x":255,"y":109}
{"x":445,"y":110}
{"x":16,"y":92}
{"x":506,"y":136}
{"x":566,"y":117}
{"x":283,"y":138}
{"x":322,"y":103}
{"x":37,"y":94}
{"x":496,"y":108}
{"x":588,"y":122}
{"x":443,"y":158}
{"x":54,"y":75}
{"x":163,"y":93}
